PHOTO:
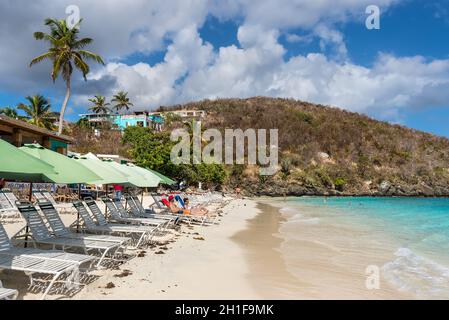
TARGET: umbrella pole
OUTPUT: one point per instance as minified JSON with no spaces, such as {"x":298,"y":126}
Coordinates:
{"x":105,"y":206}
{"x":31,"y":192}
{"x":78,"y":213}
{"x":27,"y":228}
{"x":141,"y":200}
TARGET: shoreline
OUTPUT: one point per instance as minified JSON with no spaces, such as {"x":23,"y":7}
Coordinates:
{"x":258,"y":251}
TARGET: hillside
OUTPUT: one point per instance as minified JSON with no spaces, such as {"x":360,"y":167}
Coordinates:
{"x":332,"y":151}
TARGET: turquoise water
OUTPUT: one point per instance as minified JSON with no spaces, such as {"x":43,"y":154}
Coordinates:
{"x":419,"y":227}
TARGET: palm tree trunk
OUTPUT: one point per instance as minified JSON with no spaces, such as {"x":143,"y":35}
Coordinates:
{"x":64,"y":106}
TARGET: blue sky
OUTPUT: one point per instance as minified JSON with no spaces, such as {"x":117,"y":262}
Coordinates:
{"x":213,"y":49}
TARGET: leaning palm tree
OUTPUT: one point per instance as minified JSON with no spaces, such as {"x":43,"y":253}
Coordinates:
{"x":66,"y":52}
{"x":100,"y":106}
{"x":38,"y":111}
{"x":121,"y":101}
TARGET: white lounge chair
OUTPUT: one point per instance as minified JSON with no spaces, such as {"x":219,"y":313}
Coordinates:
{"x":41,"y":235}
{"x":6,"y":248}
{"x":121,"y":216}
{"x":7,"y":294}
{"x":140,"y":234}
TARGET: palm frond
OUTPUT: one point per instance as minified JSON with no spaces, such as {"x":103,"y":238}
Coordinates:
{"x":47,"y":55}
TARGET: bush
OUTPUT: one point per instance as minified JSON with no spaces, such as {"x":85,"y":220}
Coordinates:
{"x":339,"y":184}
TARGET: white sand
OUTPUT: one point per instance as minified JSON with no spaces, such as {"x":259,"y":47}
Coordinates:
{"x":213,"y":268}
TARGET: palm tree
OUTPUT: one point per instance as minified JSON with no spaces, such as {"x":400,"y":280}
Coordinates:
{"x":121,"y":101}
{"x":100,"y":106}
{"x":38,"y":111}
{"x":9,"y":112}
{"x":66,"y":51}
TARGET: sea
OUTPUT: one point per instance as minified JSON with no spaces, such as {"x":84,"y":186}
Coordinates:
{"x":405,"y":240}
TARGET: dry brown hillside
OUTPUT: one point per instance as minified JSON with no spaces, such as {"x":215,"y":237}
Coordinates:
{"x":327,"y":150}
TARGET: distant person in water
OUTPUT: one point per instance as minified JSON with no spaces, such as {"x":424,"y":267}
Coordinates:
{"x":197,"y":211}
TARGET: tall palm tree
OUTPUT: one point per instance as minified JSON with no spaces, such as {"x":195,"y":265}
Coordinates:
{"x":100,"y":106}
{"x":66,"y":51}
{"x":9,"y":112}
{"x":38,"y":111}
{"x":121,"y":101}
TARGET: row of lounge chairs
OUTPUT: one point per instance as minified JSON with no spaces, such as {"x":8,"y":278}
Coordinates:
{"x":94,"y":240}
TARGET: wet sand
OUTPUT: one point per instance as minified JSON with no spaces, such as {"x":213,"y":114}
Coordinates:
{"x":310,"y":260}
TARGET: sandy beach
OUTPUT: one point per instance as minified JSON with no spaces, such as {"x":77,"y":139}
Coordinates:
{"x":195,"y":263}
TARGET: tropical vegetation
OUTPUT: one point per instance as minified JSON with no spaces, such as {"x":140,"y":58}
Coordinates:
{"x":38,"y":111}
{"x":66,"y":52}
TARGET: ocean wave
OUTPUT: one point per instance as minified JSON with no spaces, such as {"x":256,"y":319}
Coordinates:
{"x":301,"y":220}
{"x":290,"y":211}
{"x":415,"y":274}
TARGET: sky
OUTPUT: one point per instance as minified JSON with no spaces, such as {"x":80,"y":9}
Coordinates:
{"x":177,"y":51}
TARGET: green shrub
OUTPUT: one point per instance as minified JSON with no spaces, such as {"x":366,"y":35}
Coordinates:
{"x":339,"y":184}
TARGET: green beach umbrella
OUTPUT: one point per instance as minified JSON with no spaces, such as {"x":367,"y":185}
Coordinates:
{"x":164,"y":179}
{"x":135,"y":178}
{"x":107,"y":174}
{"x":68,"y":170}
{"x":18,"y":165}
{"x":151,"y":180}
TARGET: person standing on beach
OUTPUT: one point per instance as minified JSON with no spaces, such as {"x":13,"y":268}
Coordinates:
{"x":2,"y":183}
{"x":238,"y":192}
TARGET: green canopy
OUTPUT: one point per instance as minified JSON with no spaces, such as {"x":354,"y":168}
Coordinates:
{"x":151,"y":180}
{"x":134,"y":178}
{"x":69,"y":170}
{"x":164,"y":179}
{"x":107,"y":174}
{"x":18,"y":165}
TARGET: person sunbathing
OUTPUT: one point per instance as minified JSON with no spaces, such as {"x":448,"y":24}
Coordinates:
{"x":174,"y":208}
{"x":198,"y":211}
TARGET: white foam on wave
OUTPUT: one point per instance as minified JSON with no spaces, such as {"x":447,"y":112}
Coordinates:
{"x":294,"y":216}
{"x":415,"y":274}
{"x":289,"y":211}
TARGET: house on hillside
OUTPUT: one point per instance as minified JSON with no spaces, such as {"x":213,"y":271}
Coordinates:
{"x":155,"y":120}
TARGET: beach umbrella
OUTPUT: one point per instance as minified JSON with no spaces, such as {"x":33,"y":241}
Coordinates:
{"x":107,"y":174}
{"x":140,"y":179}
{"x":164,"y":179}
{"x":20,"y":166}
{"x":68,"y":170}
{"x":151,"y":180}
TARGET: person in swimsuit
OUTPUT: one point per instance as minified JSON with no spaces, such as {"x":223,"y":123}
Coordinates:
{"x":198,"y":211}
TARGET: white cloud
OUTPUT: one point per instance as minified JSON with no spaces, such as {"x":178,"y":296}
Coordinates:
{"x":192,"y":69}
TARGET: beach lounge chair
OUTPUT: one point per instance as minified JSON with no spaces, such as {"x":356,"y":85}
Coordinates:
{"x":157,"y":204}
{"x":60,"y":230}
{"x":196,"y":219}
{"x":121,"y":216}
{"x":140,"y":234}
{"x":33,"y":265}
{"x":6,"y":247}
{"x":33,"y":262}
{"x":7,"y":294}
{"x":4,"y":202}
{"x":137,"y":209}
{"x":10,"y":196}
{"x":41,"y":235}
{"x":47,"y":196}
